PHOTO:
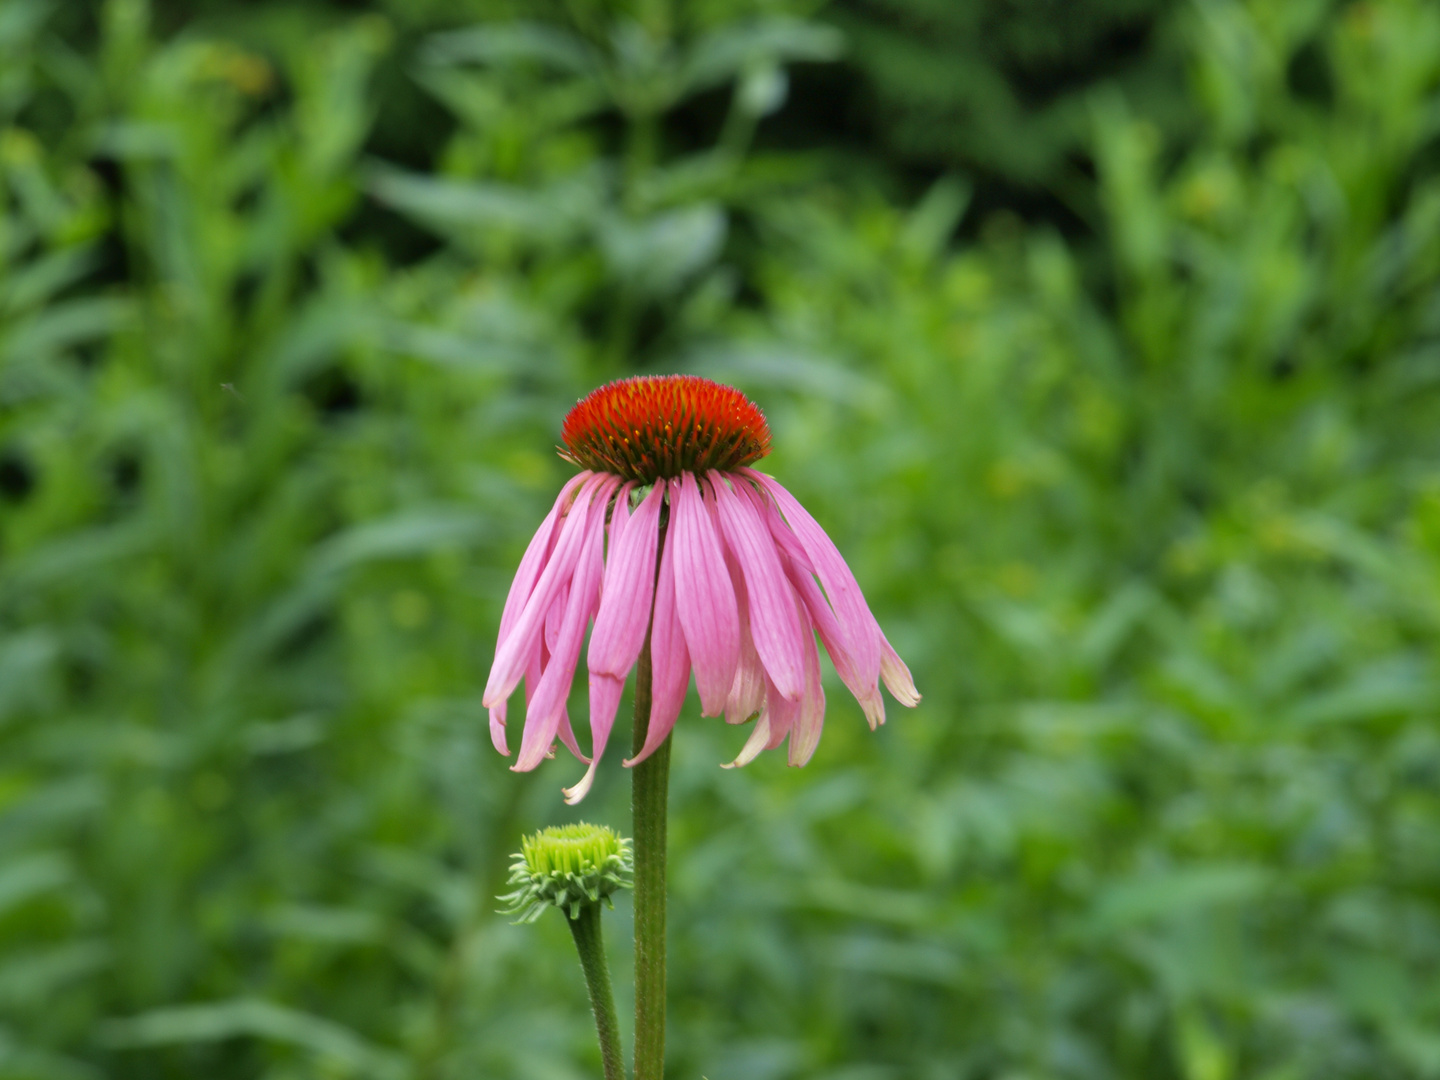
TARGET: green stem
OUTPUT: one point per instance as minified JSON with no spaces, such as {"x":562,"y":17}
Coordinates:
{"x":651,"y":781}
{"x":590,"y":944}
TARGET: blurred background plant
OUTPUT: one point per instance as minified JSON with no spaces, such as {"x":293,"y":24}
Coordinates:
{"x":1104,"y":337}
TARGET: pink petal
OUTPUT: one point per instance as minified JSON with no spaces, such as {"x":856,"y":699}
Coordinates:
{"x":536,"y":554}
{"x":497,"y":728}
{"x":544,"y":716}
{"x":786,"y":542}
{"x":534,"y":672}
{"x":810,"y":720}
{"x":783,"y":715}
{"x":619,"y":516}
{"x":828,"y":626}
{"x":859,"y":629}
{"x":555,"y":617}
{"x":747,"y":692}
{"x":515,"y":647}
{"x":801,"y":573}
{"x":770,"y":729}
{"x":624,"y":615}
{"x":669,"y":658}
{"x":531,"y":564}
{"x":534,"y":667}
{"x":874,"y":706}
{"x":567,"y":735}
{"x":897,"y":675}
{"x":774,"y":622}
{"x":759,"y":737}
{"x":705,"y":599}
{"x":605,"y":691}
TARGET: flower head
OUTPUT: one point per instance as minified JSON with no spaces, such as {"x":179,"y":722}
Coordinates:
{"x":728,"y":573}
{"x":565,"y":866}
{"x":647,"y":428}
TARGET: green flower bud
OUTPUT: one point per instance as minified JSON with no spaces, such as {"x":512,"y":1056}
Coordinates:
{"x":567,"y":866}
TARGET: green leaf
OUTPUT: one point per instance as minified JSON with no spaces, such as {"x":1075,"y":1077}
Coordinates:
{"x":250,"y":1018}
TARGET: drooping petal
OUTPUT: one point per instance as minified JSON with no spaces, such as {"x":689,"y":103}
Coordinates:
{"x":758,"y":740}
{"x":536,"y":554}
{"x":497,"y":729}
{"x":783,"y":715}
{"x":535,"y":671}
{"x":874,"y":707}
{"x":669,"y":659}
{"x":623,"y":616}
{"x":541,"y":545}
{"x":747,"y":692}
{"x":704,"y":597}
{"x":539,"y":660}
{"x":619,"y":516}
{"x":810,"y":720}
{"x":786,"y":542}
{"x":567,"y":736}
{"x":897,"y":675}
{"x":553,"y":623}
{"x":828,"y":627}
{"x":629,"y":589}
{"x":774,"y":620}
{"x":543,"y":719}
{"x":605,"y":691}
{"x":514,"y":650}
{"x":555,"y":618}
{"x":533,"y":668}
{"x":773,"y":724}
{"x":801,"y":574}
{"x":858,"y":627}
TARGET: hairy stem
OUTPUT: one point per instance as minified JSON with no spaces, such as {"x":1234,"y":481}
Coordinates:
{"x":651,"y":782}
{"x":590,"y":944}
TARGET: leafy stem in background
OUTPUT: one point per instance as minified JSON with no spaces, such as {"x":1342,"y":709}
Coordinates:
{"x":1168,"y":481}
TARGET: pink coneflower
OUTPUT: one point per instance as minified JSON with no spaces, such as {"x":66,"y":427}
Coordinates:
{"x":717,"y":561}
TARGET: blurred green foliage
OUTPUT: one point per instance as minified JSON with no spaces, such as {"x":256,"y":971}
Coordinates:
{"x":999,"y":87}
{"x":1157,"y":527}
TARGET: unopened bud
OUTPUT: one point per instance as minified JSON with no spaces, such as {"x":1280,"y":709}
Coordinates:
{"x":566,"y":866}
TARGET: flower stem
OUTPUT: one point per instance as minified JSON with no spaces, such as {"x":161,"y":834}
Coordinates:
{"x":651,"y":781}
{"x":590,"y":944}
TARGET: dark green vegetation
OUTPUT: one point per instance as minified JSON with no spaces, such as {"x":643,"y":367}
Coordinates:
{"x":292,"y":302}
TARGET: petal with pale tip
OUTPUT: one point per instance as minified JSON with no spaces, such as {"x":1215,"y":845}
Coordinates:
{"x":774,"y":620}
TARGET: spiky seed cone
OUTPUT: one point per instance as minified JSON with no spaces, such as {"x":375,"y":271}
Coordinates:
{"x":566,"y":866}
{"x":655,"y":426}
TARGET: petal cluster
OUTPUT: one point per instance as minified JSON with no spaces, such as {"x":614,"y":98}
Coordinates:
{"x":734,"y":581}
